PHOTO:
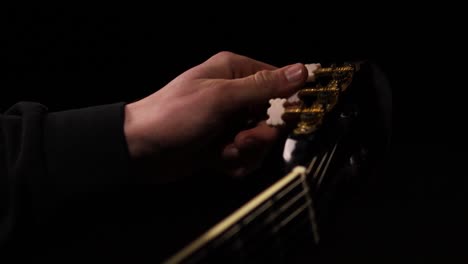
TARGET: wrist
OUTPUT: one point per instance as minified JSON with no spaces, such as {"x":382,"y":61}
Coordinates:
{"x":131,"y":131}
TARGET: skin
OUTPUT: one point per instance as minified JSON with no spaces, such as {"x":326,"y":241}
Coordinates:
{"x":198,"y":120}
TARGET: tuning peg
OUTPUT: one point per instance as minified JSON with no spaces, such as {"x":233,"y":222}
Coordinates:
{"x":276,"y":111}
{"x":312,"y":68}
{"x":311,"y":103}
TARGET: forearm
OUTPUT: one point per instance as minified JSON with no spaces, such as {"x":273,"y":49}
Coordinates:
{"x":52,"y":161}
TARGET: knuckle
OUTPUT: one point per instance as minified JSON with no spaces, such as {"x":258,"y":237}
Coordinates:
{"x":262,"y":78}
{"x":224,"y":56}
{"x":266,"y":83}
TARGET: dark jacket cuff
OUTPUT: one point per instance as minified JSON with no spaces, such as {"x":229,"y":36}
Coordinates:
{"x":86,"y":150}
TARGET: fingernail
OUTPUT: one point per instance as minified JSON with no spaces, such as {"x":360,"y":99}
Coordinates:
{"x":294,"y":73}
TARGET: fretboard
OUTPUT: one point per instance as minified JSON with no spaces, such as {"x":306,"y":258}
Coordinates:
{"x":270,"y":227}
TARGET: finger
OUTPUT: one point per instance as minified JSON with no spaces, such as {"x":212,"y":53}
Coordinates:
{"x":262,"y":134}
{"x":258,"y":88}
{"x":228,"y":65}
{"x":230,"y":152}
{"x":251,"y":148}
{"x":247,"y":162}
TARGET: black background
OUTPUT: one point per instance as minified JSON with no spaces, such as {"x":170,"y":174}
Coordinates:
{"x":69,"y":57}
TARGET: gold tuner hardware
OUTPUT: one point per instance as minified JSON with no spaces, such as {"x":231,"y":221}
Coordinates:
{"x":335,"y":71}
{"x":317,"y":91}
{"x":342,"y":75}
{"x":311,"y":103}
{"x":310,"y":119}
{"x":277,"y":112}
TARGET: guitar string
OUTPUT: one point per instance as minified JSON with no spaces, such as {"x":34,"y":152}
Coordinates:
{"x":306,"y":191}
{"x":304,"y":185}
{"x":236,"y":228}
{"x":320,"y":165}
{"x":300,"y":230}
{"x":211,"y":241}
{"x":268,"y":237}
{"x":274,"y":201}
{"x":272,"y":245}
{"x":326,"y":166}
{"x":311,"y":165}
{"x":310,"y":207}
{"x":269,"y":203}
{"x":270,"y":220}
{"x":263,"y":210}
{"x":234,"y":231}
{"x":240,"y":245}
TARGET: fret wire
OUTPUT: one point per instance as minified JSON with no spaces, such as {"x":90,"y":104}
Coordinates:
{"x":326,"y":166}
{"x":196,"y":247}
{"x":257,"y":212}
{"x":269,"y":220}
{"x":290,"y":217}
{"x":297,"y":212}
{"x":287,"y":189}
{"x":270,"y":203}
{"x":288,"y":204}
{"x":278,"y":229}
{"x":311,"y":165}
{"x":262,"y":247}
{"x":232,"y":231}
{"x":237,"y":229}
{"x":238,"y":243}
{"x":292,"y":201}
{"x":248,"y":250}
{"x":320,"y":165}
{"x":270,"y":236}
{"x":284,"y":207}
{"x":260,"y":231}
{"x":311,"y":211}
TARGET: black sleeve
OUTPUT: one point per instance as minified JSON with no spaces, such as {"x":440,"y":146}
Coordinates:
{"x":55,"y":164}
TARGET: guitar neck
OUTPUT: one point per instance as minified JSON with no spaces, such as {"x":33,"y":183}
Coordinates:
{"x":280,"y":214}
{"x":279,"y":222}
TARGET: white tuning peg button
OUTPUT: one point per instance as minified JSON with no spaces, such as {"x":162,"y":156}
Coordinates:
{"x":311,"y":68}
{"x":276,"y":111}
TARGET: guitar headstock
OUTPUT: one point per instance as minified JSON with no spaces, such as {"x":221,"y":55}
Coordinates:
{"x":339,"y":125}
{"x":332,"y":120}
{"x":318,"y":97}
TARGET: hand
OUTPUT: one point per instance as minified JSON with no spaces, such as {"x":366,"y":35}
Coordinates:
{"x":198,"y":117}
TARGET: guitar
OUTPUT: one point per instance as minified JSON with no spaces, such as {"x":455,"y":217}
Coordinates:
{"x":341,"y":131}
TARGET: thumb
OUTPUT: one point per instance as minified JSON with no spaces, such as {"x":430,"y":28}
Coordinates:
{"x":267,"y":84}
